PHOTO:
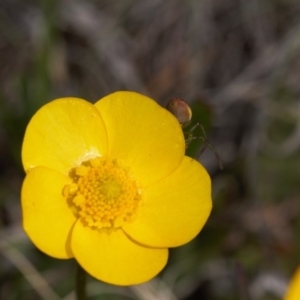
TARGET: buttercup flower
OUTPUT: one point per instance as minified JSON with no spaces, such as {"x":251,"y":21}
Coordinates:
{"x":109,"y":185}
{"x":293,"y":291}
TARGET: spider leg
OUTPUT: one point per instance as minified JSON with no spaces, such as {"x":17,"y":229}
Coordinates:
{"x":207,"y":144}
{"x":203,"y":131}
{"x":190,"y":137}
{"x":215,"y":153}
{"x":195,"y":126}
{"x":188,"y":140}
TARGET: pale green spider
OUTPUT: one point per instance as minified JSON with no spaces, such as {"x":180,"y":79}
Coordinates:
{"x":183,"y":113}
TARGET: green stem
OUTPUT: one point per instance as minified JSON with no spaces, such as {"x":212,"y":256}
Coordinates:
{"x":80,"y":284}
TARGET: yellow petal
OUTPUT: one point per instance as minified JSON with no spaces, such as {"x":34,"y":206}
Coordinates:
{"x":47,"y":219}
{"x":62,"y":133}
{"x":114,"y":258}
{"x":142,"y":133}
{"x":175,"y":208}
{"x":293,"y":292}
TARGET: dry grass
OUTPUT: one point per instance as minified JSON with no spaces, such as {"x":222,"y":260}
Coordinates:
{"x":236,"y":61}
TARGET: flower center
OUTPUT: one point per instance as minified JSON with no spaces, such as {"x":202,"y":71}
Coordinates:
{"x":103,"y":193}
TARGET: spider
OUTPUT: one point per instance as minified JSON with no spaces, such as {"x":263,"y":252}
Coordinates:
{"x":183,"y":113}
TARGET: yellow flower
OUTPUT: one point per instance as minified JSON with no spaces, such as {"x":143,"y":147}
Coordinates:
{"x":293,"y":291}
{"x":109,"y":185}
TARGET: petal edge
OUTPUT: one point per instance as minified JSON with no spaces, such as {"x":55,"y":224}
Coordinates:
{"x":47,"y":219}
{"x":176,"y":208}
{"x":62,"y":133}
{"x":114,"y":258}
{"x":151,"y":135}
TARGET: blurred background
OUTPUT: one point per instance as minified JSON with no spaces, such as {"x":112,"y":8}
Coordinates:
{"x":236,"y":62}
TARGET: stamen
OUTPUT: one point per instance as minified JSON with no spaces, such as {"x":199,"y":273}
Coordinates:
{"x":104,"y":193}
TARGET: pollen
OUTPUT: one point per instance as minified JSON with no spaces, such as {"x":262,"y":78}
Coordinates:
{"x":104,"y":193}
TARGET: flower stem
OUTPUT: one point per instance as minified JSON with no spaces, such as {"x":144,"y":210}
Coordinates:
{"x":80,"y":284}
